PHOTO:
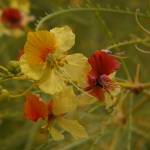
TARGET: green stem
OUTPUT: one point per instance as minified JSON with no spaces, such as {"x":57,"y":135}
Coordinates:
{"x":131,"y":42}
{"x":23,"y":93}
{"x":4,"y":69}
{"x":146,"y":93}
{"x":130,"y":123}
{"x":134,"y":86}
{"x":15,"y":78}
{"x":80,"y":9}
{"x":31,"y":137}
{"x":126,"y":70}
{"x":141,"y":133}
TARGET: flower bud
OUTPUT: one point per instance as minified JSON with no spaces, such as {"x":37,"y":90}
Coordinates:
{"x":14,"y":67}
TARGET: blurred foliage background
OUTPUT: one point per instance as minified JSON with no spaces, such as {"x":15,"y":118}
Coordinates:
{"x":94,"y":31}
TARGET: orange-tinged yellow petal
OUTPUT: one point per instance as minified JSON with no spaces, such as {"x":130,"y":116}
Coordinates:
{"x":65,"y":38}
{"x":64,"y":102}
{"x":33,"y":72}
{"x":38,"y":46}
{"x":73,"y":127}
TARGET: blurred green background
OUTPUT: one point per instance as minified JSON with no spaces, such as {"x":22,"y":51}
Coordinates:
{"x":94,"y":31}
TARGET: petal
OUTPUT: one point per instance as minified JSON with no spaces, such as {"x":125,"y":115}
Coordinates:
{"x":64,"y":102}
{"x":56,"y":135}
{"x":53,"y":82}
{"x":97,"y":92}
{"x":103,"y":63}
{"x":77,"y":68}
{"x":32,"y":72}
{"x":23,"y":5}
{"x":73,"y":127}
{"x":34,"y":108}
{"x":65,"y":38}
{"x":109,"y":100}
{"x":112,"y":75}
{"x":39,"y":44}
{"x":84,"y":100}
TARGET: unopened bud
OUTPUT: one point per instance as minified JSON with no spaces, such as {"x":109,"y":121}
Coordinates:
{"x":14,"y":67}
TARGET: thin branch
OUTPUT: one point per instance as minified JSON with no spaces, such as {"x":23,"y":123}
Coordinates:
{"x":126,"y":70}
{"x":83,"y":9}
{"x":140,"y":104}
{"x":130,"y":121}
{"x":142,"y":50}
{"x":141,"y":133}
{"x":137,"y":74}
{"x":138,"y":22}
{"x":129,"y":85}
{"x":23,"y":93}
{"x":126,"y":43}
{"x":146,"y":92}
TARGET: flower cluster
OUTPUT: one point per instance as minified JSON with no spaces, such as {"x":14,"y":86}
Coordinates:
{"x":47,"y":62}
{"x":15,"y":18}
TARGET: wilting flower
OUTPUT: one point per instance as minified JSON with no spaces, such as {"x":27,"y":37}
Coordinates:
{"x":104,"y":65}
{"x":14,"y":18}
{"x":45,"y":59}
{"x":54,"y":112}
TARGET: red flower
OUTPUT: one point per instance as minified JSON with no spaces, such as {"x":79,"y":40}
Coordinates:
{"x":102,"y":64}
{"x":36,"y":109}
{"x":11,"y":17}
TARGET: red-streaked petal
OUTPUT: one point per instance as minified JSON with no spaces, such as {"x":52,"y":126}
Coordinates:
{"x":34,"y":108}
{"x":92,"y":78}
{"x":103,"y":63}
{"x":97,"y":92}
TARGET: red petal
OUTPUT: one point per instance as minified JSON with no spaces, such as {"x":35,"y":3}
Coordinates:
{"x":97,"y":92}
{"x":103,"y":63}
{"x":92,"y":78}
{"x":35,"y":108}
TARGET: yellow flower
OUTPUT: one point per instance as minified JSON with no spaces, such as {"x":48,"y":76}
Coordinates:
{"x":55,"y":112}
{"x":45,"y":59}
{"x":15,"y":18}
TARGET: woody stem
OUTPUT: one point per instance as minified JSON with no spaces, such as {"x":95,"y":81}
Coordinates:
{"x":134,"y":86}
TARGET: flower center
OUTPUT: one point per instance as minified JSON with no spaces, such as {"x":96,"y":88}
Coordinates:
{"x":45,"y":54}
{"x":105,"y":82}
{"x":11,"y":17}
{"x":50,"y":114}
